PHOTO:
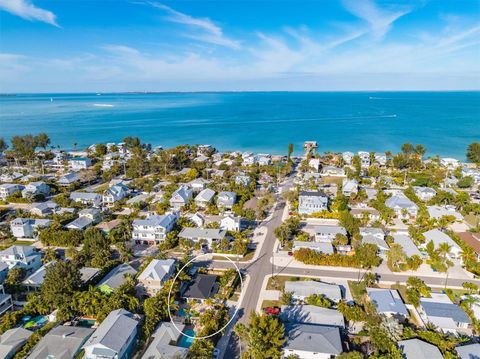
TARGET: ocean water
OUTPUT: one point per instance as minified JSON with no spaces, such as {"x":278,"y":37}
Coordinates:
{"x":444,"y":122}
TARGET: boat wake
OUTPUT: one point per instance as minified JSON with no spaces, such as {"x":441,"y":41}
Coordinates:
{"x":102,"y":105}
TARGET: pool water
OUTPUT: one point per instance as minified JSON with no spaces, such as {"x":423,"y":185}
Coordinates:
{"x":186,"y":342}
{"x":36,"y":321}
{"x":86,"y":323}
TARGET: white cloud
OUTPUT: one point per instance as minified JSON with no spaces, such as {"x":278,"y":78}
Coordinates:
{"x":379,"y":20}
{"x":26,"y":10}
{"x":209,"y":31}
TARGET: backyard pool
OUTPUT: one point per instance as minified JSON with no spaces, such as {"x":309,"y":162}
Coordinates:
{"x":186,"y":342}
{"x":37,"y":321}
{"x":85,"y":322}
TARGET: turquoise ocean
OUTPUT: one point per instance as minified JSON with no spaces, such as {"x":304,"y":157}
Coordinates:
{"x":444,"y":122}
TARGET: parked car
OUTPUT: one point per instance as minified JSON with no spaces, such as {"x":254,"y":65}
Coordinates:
{"x":290,"y":253}
{"x":272,"y":310}
{"x":216,"y":353}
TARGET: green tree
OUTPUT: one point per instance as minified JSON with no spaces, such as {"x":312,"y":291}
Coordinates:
{"x":100,"y":150}
{"x":42,"y":140}
{"x":416,"y":288}
{"x":367,"y":255}
{"x":3,"y":144}
{"x":465,"y":182}
{"x":265,"y":337}
{"x":473,"y":152}
{"x":396,"y":257}
{"x":290,"y":151}
{"x":350,"y":355}
{"x":407,"y":148}
{"x":14,"y":280}
{"x":24,"y":147}
{"x":156,"y":308}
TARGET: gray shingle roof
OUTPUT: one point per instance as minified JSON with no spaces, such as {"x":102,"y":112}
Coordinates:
{"x":471,"y":351}
{"x":314,"y":338}
{"x":418,"y":349}
{"x":114,"y":331}
{"x":445,"y":310}
{"x":163,"y":344}
{"x":311,"y":314}
{"x":116,"y":277}
{"x":309,"y":287}
{"x":387,"y":301}
{"x":203,"y":287}
{"x":12,"y":339}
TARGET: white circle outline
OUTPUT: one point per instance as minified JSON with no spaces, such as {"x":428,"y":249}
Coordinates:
{"x":171,"y":287}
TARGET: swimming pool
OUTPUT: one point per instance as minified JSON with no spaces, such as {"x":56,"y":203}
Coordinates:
{"x":186,"y":342}
{"x":37,"y":321}
{"x":86,"y":323}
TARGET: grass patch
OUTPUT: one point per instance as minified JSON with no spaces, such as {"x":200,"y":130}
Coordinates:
{"x":247,"y":257}
{"x":332,"y":179}
{"x":357,"y":289}
{"x":278,"y":282}
{"x":472,"y":219}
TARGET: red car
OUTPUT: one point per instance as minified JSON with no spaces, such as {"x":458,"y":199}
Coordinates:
{"x":272,"y":310}
{"x":290,"y":254}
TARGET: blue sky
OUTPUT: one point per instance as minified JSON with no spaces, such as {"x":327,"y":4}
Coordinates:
{"x":116,"y":45}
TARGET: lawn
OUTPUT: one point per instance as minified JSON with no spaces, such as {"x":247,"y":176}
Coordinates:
{"x":357,"y":289}
{"x":472,"y":219}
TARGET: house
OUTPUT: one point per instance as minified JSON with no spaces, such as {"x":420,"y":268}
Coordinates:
{"x":364,"y":159}
{"x":208,"y":235}
{"x":198,"y":184}
{"x":407,"y":245}
{"x":320,"y":247}
{"x":12,"y":340}
{"x":87,"y":198}
{"x":470,"y":172}
{"x":61,"y":342}
{"x":155,"y":275}
{"x":107,"y":227}
{"x":424,"y":193}
{"x":264,"y":159}
{"x":438,"y":237}
{"x":80,"y":223}
{"x":10,"y":177}
{"x":469,"y":351}
{"x":44,"y":208}
{"x":79,"y":163}
{"x":35,"y":188}
{"x":303,"y":289}
{"x":226,"y":200}
{"x":205,"y":150}
{"x":347,"y":157}
{"x":438,"y":212}
{"x":381,"y":158}
{"x":388,"y":302}
{"x":197,"y":219}
{"x":204,"y":286}
{"x":328,"y":233}
{"x":28,"y":227}
{"x":116,"y":278}
{"x":114,"y":338}
{"x":8,"y":189}
{"x":450,"y":163}
{"x":372,"y":231}
{"x":6,"y":302}
{"x":349,"y":187}
{"x":333,"y":171}
{"x":114,"y":194}
{"x":312,"y":202}
{"x":231,"y":223}
{"x":3,"y":272}
{"x":204,"y":198}
{"x":418,"y":349}
{"x":403,"y":207}
{"x":35,"y":280}
{"x":442,"y":313}
{"x":180,"y":197}
{"x":311,"y":314}
{"x":153,"y":229}
{"x":314,"y":163}
{"x":371,"y":213}
{"x":243,"y":180}
{"x":21,"y":257}
{"x":165,"y":343}
{"x":382,"y":246}
{"x":91,"y":213}
{"x":306,"y":341}
{"x":68,"y":179}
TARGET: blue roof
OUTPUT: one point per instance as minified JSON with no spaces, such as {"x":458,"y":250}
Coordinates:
{"x":387,"y":301}
{"x":445,"y":310}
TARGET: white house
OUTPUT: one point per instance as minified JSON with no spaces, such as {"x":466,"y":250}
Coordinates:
{"x":7,"y":189}
{"x":304,"y":288}
{"x":198,"y":184}
{"x":231,"y":223}
{"x":36,"y":188}
{"x":314,"y":163}
{"x":226,"y":200}
{"x":328,"y":233}
{"x":153,"y":229}
{"x":68,"y":179}
{"x":207,"y":235}
{"x":79,"y":163}
{"x":388,"y":302}
{"x":156,"y":274}
{"x":424,"y":193}
{"x":114,"y":338}
{"x":197,"y":219}
{"x":381,"y":158}
{"x":205,"y":197}
{"x":114,"y":194}
{"x":87,"y":198}
{"x":243,"y":180}
{"x":21,"y":257}
{"x":438,"y":237}
{"x":307,"y":341}
{"x":347,"y":157}
{"x":450,"y":163}
{"x":320,"y":247}
{"x":349,"y":187}
{"x":312,"y":202}
{"x":28,"y":227}
{"x":403,"y":207}
{"x":44,"y":208}
{"x":442,"y":313}
{"x":364,"y":159}
{"x":180,"y":197}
